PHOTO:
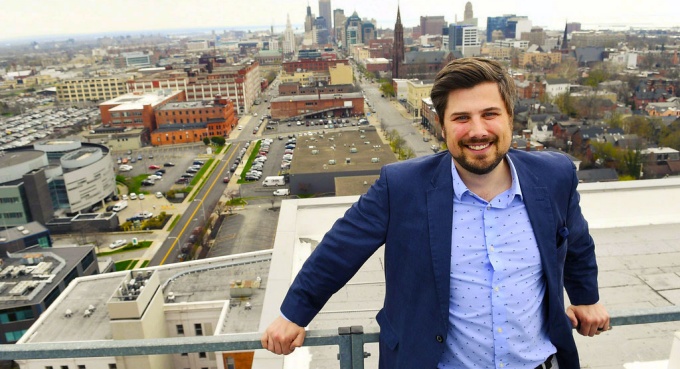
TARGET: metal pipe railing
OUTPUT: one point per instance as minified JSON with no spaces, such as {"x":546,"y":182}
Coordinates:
{"x":350,"y":340}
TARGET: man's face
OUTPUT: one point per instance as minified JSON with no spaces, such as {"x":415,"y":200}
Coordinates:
{"x":477,"y":128}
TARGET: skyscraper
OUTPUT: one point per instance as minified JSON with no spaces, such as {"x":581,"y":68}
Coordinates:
{"x":468,"y":12}
{"x":288,"y":38}
{"x":325,"y":12}
{"x":339,"y":25}
{"x":309,"y":20}
{"x":398,"y":56}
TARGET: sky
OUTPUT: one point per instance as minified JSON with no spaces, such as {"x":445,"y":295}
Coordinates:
{"x":20,"y":19}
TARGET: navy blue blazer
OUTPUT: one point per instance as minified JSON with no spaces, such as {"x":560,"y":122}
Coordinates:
{"x":409,"y":210}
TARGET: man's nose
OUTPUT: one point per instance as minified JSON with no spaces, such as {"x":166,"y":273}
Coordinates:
{"x":477,"y":127}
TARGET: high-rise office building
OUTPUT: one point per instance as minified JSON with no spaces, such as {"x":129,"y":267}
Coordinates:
{"x":432,"y":25}
{"x":325,"y":12}
{"x":309,"y":19}
{"x":339,"y":25}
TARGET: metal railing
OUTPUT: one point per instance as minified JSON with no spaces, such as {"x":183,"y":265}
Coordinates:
{"x":350,"y":341}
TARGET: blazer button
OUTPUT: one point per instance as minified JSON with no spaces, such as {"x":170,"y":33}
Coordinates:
{"x":440,"y":339}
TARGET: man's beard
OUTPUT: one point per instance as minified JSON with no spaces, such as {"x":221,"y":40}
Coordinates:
{"x":475,"y":166}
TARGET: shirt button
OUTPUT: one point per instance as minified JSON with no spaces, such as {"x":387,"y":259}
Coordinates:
{"x":491,"y":248}
{"x":500,"y":330}
{"x":488,"y":207}
{"x":496,"y":289}
{"x":440,"y":339}
{"x":501,"y":365}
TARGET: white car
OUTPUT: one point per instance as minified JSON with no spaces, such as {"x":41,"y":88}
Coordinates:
{"x":159,"y":195}
{"x":141,"y":196}
{"x":146,"y":214}
{"x":125,"y":197}
{"x":240,"y":128}
{"x":117,"y":243}
{"x":133,"y":196}
{"x":254,"y":114}
{"x":282,"y":192}
{"x":125,"y":168}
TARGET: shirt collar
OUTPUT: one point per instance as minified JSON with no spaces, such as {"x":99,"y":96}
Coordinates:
{"x":459,"y":188}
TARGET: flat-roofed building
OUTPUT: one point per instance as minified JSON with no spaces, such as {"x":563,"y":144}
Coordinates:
{"x":321,"y":159}
{"x":239,"y":82}
{"x":636,"y":243}
{"x":192,"y":121}
{"x":417,"y":91}
{"x":92,"y":89}
{"x":318,"y":105}
{"x":32,"y":279}
{"x":136,"y":109}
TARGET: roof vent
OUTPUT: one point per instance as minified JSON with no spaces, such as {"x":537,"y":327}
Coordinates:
{"x":20,"y":228}
{"x":68,"y":313}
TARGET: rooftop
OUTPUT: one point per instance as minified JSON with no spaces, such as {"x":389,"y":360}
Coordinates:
{"x":136,"y":101}
{"x":362,"y":146}
{"x":346,"y":95}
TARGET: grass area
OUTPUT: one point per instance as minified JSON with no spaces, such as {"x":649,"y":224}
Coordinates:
{"x":144,"y":264}
{"x":174,"y":222}
{"x":249,"y":163}
{"x":238,"y":201}
{"x":123,"y":265}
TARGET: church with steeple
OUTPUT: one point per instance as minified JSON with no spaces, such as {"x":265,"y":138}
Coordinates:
{"x":398,"y":49}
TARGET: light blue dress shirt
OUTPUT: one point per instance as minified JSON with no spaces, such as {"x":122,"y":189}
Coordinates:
{"x":496,"y":308}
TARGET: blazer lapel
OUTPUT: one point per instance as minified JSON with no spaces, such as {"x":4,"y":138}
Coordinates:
{"x":440,"y":218}
{"x":537,"y":201}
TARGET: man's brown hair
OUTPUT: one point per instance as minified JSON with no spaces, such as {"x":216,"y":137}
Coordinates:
{"x":467,"y":73}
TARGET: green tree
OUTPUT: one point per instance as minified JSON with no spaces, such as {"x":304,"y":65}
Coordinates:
{"x":671,"y":140}
{"x":206,"y":141}
{"x":566,"y":104}
{"x":640,"y":126}
{"x":604,"y":153}
{"x":218,"y":140}
{"x":615,"y":120}
{"x":632,"y":163}
{"x":387,"y":89}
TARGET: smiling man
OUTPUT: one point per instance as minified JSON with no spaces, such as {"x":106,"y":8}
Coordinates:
{"x":480,"y":243}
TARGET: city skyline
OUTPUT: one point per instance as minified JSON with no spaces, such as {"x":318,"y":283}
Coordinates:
{"x":23,"y":19}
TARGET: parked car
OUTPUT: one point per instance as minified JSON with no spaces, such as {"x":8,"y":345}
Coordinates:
{"x":133,"y":196}
{"x":161,"y":171}
{"x":110,"y":207}
{"x":159,"y":195}
{"x":169,"y":164}
{"x":154,"y":166}
{"x":117,"y":243}
{"x":225,"y":179}
{"x":140,"y":157}
{"x":282,"y":192}
{"x":141,"y":196}
{"x":182,"y":180}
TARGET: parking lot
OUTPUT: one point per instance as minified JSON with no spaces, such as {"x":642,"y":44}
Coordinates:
{"x":181,"y":156}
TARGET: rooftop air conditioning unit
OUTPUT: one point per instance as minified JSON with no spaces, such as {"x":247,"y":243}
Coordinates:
{"x":375,"y":160}
{"x":331,"y":162}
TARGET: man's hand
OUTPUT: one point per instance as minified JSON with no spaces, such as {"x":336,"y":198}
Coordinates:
{"x":590,"y":320}
{"x":282,"y":336}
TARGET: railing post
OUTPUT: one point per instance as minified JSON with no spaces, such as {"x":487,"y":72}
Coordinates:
{"x":357,"y":346}
{"x":345,"y":343}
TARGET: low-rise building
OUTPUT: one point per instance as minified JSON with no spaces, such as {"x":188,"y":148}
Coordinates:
{"x":417,"y":91}
{"x":32,"y":279}
{"x":318,"y":105}
{"x":136,"y":110}
{"x":192,"y":121}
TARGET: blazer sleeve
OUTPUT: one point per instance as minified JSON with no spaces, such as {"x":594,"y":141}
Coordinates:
{"x":580,"y":268}
{"x":340,"y":254}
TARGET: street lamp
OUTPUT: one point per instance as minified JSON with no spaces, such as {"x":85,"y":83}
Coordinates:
{"x":202,"y":208}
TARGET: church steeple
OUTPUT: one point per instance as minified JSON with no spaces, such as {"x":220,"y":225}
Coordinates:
{"x":398,"y":50}
{"x":565,"y":44}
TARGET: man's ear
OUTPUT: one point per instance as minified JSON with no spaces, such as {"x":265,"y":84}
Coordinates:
{"x":436,"y":119}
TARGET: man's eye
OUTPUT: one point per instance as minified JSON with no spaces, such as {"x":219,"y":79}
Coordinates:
{"x":490,"y":114}
{"x":461,"y":118}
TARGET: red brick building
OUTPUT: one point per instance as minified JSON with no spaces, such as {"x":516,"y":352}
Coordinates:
{"x":136,"y":110}
{"x":293,"y":88}
{"x":191,"y":121}
{"x":312,"y":65}
{"x":317,"y":106}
